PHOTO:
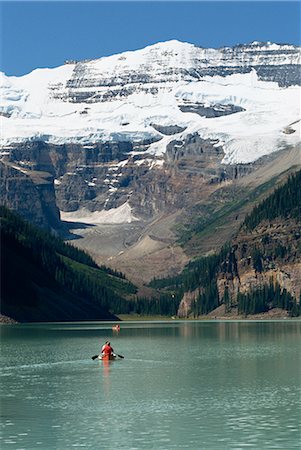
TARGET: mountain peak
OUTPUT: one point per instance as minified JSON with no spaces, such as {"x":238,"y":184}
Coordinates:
{"x":121,"y":97}
{"x":172,"y":43}
{"x":167,"y":53}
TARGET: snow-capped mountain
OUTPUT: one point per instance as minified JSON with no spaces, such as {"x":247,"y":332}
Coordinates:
{"x":169,"y":130}
{"x":245,"y":98}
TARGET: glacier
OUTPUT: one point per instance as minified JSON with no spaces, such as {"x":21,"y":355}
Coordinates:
{"x":123,"y":97}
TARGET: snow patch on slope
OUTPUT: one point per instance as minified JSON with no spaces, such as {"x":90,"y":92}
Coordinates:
{"x":122,"y":214}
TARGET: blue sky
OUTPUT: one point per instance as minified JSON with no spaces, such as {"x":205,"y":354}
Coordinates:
{"x":45,"y":34}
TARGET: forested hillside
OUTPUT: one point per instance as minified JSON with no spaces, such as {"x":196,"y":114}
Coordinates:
{"x":285,"y":202}
{"x":269,"y":245}
{"x":45,"y":279}
{"x":200,"y":275}
{"x":259,"y":270}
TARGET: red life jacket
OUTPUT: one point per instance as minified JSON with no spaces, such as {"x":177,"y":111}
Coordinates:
{"x":107,"y":350}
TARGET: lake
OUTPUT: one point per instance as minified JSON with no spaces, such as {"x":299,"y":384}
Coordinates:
{"x":182,"y":384}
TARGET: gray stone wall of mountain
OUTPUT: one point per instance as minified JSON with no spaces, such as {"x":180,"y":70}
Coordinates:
{"x":60,"y":159}
{"x":91,"y":177}
{"x":31,"y":194}
{"x":80,"y":172}
{"x":168,"y":130}
{"x":210,"y":111}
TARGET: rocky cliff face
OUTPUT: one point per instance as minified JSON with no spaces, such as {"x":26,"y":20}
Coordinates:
{"x":271,"y":253}
{"x":106,"y":175}
{"x":185,"y":306}
{"x":31,"y":194}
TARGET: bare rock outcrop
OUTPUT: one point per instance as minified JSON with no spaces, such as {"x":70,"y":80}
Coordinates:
{"x":185,"y":306}
{"x":30,"y":193}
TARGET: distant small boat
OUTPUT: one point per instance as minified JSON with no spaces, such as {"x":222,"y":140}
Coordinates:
{"x":116,"y":328}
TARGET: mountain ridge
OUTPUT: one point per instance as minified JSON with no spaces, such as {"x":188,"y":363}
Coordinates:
{"x":147,"y":149}
{"x":126,"y":93}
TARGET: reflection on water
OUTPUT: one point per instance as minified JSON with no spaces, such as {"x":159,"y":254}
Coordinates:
{"x":106,"y":367}
{"x":196,"y":385}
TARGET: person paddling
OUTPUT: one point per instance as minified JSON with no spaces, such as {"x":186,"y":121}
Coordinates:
{"x":107,"y":351}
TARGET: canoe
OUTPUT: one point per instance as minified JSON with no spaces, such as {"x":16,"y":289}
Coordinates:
{"x":107,"y":358}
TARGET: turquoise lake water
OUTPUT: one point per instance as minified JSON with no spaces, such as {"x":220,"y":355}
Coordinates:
{"x":181,"y":385}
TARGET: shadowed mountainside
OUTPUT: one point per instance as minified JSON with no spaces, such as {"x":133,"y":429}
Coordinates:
{"x":44,"y":279}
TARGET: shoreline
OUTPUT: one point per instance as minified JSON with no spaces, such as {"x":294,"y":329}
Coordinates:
{"x":7,"y":320}
{"x":270,"y":316}
{"x":254,"y":317}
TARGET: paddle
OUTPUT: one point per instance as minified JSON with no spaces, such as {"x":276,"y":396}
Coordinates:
{"x":96,"y":356}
